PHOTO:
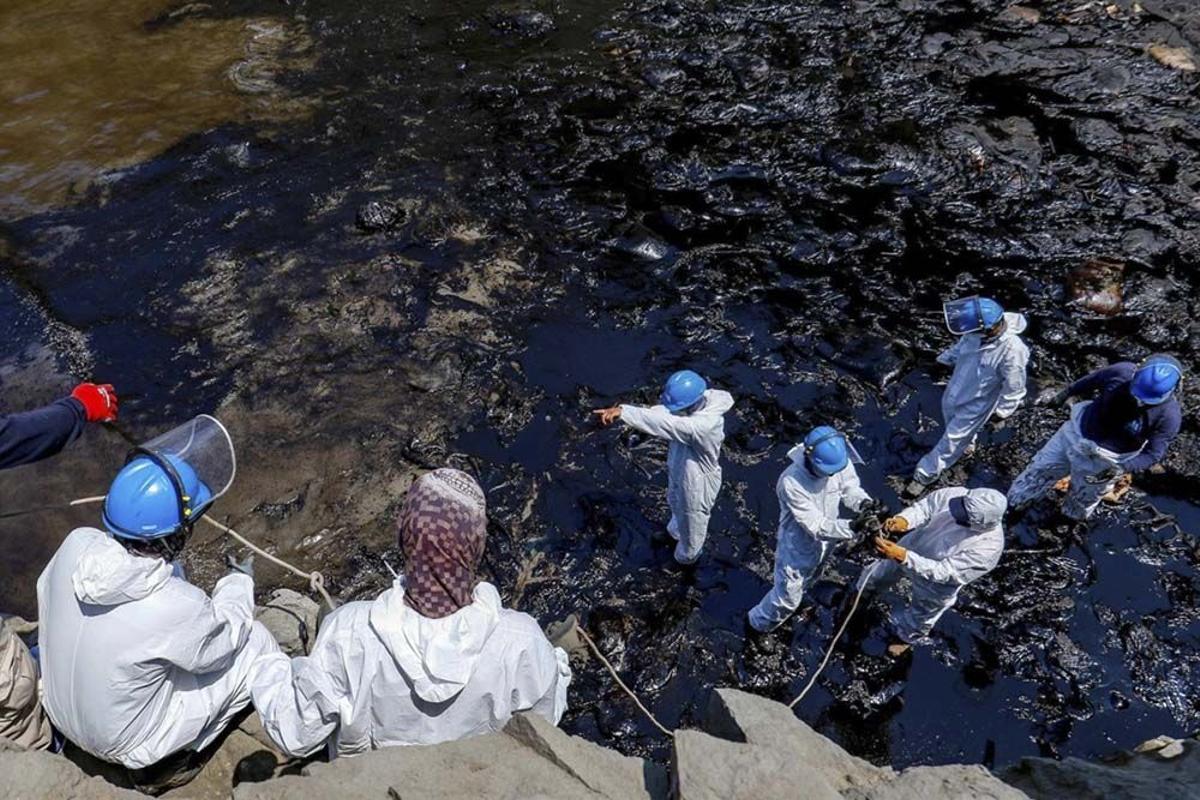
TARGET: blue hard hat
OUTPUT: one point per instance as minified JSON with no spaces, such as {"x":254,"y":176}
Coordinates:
{"x":683,"y":389}
{"x":826,"y":451}
{"x":145,"y":502}
{"x":971,"y":314}
{"x":1156,"y":379}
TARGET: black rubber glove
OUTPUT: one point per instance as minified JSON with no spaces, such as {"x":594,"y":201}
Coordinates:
{"x":867,"y":520}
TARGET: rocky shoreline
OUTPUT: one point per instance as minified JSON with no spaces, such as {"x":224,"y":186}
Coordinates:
{"x":747,"y":747}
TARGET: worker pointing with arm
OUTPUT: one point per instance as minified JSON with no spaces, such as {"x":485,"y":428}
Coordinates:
{"x":1125,"y":428}
{"x":692,"y":418}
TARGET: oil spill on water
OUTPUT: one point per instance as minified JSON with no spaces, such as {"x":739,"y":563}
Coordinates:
{"x":503,"y":215}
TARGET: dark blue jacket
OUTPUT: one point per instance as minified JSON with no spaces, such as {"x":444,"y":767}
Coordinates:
{"x":1116,"y":422}
{"x":33,"y":435}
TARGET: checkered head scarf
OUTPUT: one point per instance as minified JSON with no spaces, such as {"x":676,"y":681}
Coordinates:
{"x":443,"y":529}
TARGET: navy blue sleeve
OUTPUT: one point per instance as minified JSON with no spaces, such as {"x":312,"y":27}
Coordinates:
{"x":1102,"y":379}
{"x":33,"y":435}
{"x":1163,"y":430}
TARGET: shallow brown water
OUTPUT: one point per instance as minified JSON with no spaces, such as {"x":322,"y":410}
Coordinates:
{"x":89,"y":85}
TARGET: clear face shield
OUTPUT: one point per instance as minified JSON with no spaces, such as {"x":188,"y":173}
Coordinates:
{"x":198,"y":457}
{"x":964,"y":315}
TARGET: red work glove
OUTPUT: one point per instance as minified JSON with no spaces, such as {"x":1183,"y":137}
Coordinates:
{"x":99,"y":401}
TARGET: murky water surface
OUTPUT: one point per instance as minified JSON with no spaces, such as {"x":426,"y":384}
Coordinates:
{"x":497,"y":216}
{"x":93,"y":85}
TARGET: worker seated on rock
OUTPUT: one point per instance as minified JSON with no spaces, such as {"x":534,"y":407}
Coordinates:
{"x":951,"y":538}
{"x":692,"y":418}
{"x":989,"y":361}
{"x":25,"y":438}
{"x":812,"y":490}
{"x":138,"y":664}
{"x":433,"y":659}
{"x":1125,"y":428}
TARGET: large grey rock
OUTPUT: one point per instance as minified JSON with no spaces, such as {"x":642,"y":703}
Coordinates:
{"x":707,"y":768}
{"x":531,"y":759}
{"x":31,"y":774}
{"x":756,"y":748}
{"x":1162,"y":769}
{"x":292,"y":620}
{"x":604,"y":771}
{"x":747,"y":717}
{"x":954,"y":782}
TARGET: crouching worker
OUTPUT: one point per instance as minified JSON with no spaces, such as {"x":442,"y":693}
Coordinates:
{"x":1125,"y":428}
{"x":138,"y":664}
{"x":433,"y":659}
{"x":951,"y":538}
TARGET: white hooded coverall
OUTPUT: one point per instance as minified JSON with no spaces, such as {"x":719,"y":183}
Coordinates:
{"x":809,"y":528}
{"x":943,"y":556}
{"x":138,"y":664}
{"x":693,"y":464}
{"x":380,"y":674}
{"x":989,"y":378}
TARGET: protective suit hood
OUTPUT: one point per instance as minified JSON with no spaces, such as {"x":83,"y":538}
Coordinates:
{"x":438,"y":655}
{"x":108,"y":575}
{"x":985,"y":508}
{"x":716,"y":401}
{"x":1015,"y":324}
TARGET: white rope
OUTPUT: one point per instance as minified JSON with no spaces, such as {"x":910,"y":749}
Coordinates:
{"x":316,"y":580}
{"x":588,"y":640}
{"x":837,"y":636}
{"x":824,"y":661}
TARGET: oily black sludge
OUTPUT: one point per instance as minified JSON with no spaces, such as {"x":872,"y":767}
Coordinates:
{"x":497,"y":218}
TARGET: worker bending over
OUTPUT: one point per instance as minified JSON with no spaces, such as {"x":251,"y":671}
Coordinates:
{"x":951,"y":538}
{"x":1125,"y":428}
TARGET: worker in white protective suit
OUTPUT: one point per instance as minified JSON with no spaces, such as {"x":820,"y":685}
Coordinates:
{"x":692,"y":418}
{"x":989,"y":361}
{"x":138,"y":664}
{"x":433,"y":659}
{"x":951,"y":538}
{"x":811,"y":492}
{"x":1125,"y":428}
